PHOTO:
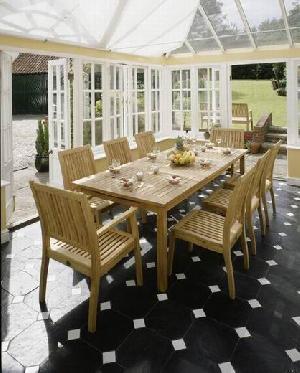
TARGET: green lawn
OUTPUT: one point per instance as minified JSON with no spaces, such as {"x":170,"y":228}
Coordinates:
{"x":261,"y":98}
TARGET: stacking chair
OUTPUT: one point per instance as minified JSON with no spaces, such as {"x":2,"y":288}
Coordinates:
{"x":118,"y":149}
{"x":70,"y":236}
{"x":218,"y":201}
{"x":145,"y":142}
{"x":78,"y":163}
{"x":216,"y":232}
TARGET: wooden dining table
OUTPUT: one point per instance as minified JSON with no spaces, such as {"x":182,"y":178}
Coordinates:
{"x":155,"y":193}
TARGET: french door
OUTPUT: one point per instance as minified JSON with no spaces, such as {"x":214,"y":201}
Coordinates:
{"x":58,"y":115}
{"x":293,"y":102}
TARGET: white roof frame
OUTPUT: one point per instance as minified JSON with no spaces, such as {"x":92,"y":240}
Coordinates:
{"x":286,"y":25}
{"x":246,"y":24}
{"x":210,"y":26}
{"x":190,"y":48}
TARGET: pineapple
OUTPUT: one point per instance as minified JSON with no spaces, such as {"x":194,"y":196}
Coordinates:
{"x":179,"y":144}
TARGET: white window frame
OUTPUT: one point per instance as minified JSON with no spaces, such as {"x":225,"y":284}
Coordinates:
{"x":293,"y":106}
{"x":113,"y":93}
{"x":157,"y":90}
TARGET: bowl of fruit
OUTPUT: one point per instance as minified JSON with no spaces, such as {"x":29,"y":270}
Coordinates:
{"x":182,"y":158}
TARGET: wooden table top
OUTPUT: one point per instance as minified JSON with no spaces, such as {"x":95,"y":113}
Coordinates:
{"x":155,"y":190}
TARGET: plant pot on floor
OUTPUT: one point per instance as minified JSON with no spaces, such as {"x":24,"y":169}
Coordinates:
{"x":255,"y":147}
{"x":41,"y":163}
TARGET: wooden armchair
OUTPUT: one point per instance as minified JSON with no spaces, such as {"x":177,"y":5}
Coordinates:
{"x":145,"y":142}
{"x":70,"y":236}
{"x":241,"y":115}
{"x":218,"y":201}
{"x":230,"y":137}
{"x":78,"y":163}
{"x":118,"y":149}
{"x":215,"y":232}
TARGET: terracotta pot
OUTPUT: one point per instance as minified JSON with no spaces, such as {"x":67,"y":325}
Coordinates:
{"x":255,"y":147}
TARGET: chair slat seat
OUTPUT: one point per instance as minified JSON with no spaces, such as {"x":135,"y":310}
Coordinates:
{"x":113,"y":245}
{"x":230,"y":183}
{"x":218,"y":200}
{"x":205,"y":228}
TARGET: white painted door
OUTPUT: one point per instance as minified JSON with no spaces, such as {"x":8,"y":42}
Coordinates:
{"x":293,"y":102}
{"x":58,"y":116}
{"x":6,"y":128}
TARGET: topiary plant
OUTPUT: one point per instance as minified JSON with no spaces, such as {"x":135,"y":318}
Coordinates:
{"x":42,"y":146}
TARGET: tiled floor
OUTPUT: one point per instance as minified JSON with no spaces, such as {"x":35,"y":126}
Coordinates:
{"x":194,"y":327}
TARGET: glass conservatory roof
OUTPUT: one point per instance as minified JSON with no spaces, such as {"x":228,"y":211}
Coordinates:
{"x":156,"y":27}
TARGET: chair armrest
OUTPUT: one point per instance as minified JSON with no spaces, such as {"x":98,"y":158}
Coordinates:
{"x":124,"y":216}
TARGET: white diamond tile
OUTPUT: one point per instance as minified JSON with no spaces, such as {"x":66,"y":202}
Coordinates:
{"x":192,"y":203}
{"x":162,"y":297}
{"x":59,"y":345}
{"x":271,"y":263}
{"x":278,"y":189}
{"x":199,"y":312}
{"x":297,"y":198}
{"x":18,"y":299}
{"x":138,"y":323}
{"x":105,"y":306}
{"x":109,"y":357}
{"x":278,"y":247}
{"x":76,"y":291}
{"x":209,"y":191}
{"x":282,"y":234}
{"x":214,"y":288}
{"x":287,"y":223}
{"x":10,"y":256}
{"x":196,"y":259}
{"x":201,"y":195}
{"x":4,"y":346}
{"x":297,"y":320}
{"x":263,"y":281}
{"x":293,"y":354}
{"x":182,"y":211}
{"x":248,"y":239}
{"x":178,"y":344}
{"x":151,"y":265}
{"x":290,"y":214}
{"x":294,"y":206}
{"x":109,"y":279}
{"x":238,"y":253}
{"x":130,"y":283}
{"x":242,"y":332}
{"x":180,"y":276}
{"x":281,"y":183}
{"x":51,"y":278}
{"x":73,"y":334}
{"x":224,"y":269}
{"x":226,"y":367}
{"x":129,"y":263}
{"x":33,"y":369}
{"x":254,"y":303}
{"x":43,"y":316}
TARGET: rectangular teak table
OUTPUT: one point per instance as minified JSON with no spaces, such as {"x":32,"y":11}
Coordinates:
{"x":156,"y":194}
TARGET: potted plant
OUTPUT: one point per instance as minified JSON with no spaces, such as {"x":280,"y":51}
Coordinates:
{"x":253,"y":146}
{"x":42,"y":147}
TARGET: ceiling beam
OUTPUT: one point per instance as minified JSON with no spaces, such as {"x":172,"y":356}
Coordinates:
{"x":286,"y":24}
{"x":245,"y":22}
{"x":190,"y":48}
{"x":210,"y":26}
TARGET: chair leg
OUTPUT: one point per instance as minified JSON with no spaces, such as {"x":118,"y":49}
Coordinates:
{"x":273,"y":200}
{"x":138,"y":265}
{"x":190,"y":247}
{"x":144,"y":216}
{"x":171,"y":252}
{"x":229,"y":272}
{"x":264,"y":201}
{"x":250,"y":231}
{"x":262,"y":220}
{"x":93,"y":304}
{"x":98,"y":218}
{"x":245,"y":249}
{"x":43,"y":278}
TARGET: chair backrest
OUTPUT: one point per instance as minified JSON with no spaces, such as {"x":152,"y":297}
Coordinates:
{"x":65,"y":216}
{"x":230,"y":137}
{"x":145,"y":142}
{"x":75,"y":164}
{"x":236,"y":206}
{"x":270,"y":164}
{"x":259,"y":169}
{"x":240,"y":110}
{"x":118,"y":149}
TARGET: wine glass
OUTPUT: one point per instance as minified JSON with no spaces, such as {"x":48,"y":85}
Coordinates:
{"x":115,"y":163}
{"x":219,"y":140}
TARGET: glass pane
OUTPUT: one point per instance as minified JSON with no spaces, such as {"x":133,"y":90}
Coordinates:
{"x":182,"y":49}
{"x":186,"y":79}
{"x":153,"y":120}
{"x":112,"y":105}
{"x":62,"y":80}
{"x":118,"y":126}
{"x":202,"y":78}
{"x":203,"y":100}
{"x":299,"y":102}
{"x":157,"y":80}
{"x":98,"y":76}
{"x":55,"y":135}
{"x":140,"y":78}
{"x":86,"y":74}
{"x":186,"y":100}
{"x":98,"y":105}
{"x":62,"y":108}
{"x":111,"y":77}
{"x":98,"y":132}
{"x":62,"y":135}
{"x":140,"y":102}
{"x":54,"y":106}
{"x":199,"y":29}
{"x":236,"y":41}
{"x":87,"y":101}
{"x":298,"y":74}
{"x":203,"y":120}
{"x":176,"y":120}
{"x":141,"y":123}
{"x":112,"y":128}
{"x":217,"y":78}
{"x":176,"y":79}
{"x":293,"y":12}
{"x":176,"y":100}
{"x":296,"y":35}
{"x":158,"y":122}
{"x":152,"y":79}
{"x":118,"y":103}
{"x":54,"y":78}
{"x":153,"y":106}
{"x":158,"y":100}
{"x":186,"y":120}
{"x":118,"y":78}
{"x":204,"y":45}
{"x":87,"y":132}
{"x":270,"y":37}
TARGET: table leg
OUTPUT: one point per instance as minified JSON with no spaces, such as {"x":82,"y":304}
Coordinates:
{"x":242,"y":165}
{"x":162,"y":255}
